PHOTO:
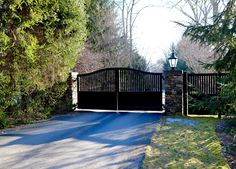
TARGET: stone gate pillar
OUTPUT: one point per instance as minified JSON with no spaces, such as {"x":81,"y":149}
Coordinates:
{"x":74,"y":89}
{"x":173,"y":92}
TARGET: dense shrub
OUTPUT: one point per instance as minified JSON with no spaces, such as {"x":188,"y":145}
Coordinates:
{"x":213,"y":104}
{"x":39,"y":44}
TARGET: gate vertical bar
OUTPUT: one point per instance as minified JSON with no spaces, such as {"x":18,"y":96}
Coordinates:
{"x":162,"y":100}
{"x":78,"y":90}
{"x":185,"y":94}
{"x":117,"y":80}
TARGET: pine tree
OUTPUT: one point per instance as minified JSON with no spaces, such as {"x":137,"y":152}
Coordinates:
{"x":221,"y":36}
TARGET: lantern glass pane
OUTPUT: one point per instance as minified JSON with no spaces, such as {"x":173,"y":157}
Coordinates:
{"x":173,"y":62}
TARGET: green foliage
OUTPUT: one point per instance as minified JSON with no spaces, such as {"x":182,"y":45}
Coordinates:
{"x":104,"y":37}
{"x":40,"y":41}
{"x":221,"y":35}
{"x":206,"y":104}
{"x":227,"y":97}
{"x":138,"y":62}
{"x":96,"y":18}
{"x":211,"y":104}
{"x":3,"y":120}
{"x":199,"y":104}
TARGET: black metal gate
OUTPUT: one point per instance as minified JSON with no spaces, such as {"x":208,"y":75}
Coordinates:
{"x":120,"y":89}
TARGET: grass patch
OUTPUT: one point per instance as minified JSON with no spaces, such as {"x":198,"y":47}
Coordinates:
{"x":189,"y":144}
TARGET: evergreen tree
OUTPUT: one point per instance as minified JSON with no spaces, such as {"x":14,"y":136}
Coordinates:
{"x":220,"y":35}
{"x":138,"y":62}
{"x":105,"y":47}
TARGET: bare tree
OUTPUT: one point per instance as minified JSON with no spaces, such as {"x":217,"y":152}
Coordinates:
{"x":88,"y":60}
{"x":113,"y":49}
{"x":129,"y":14}
{"x":195,"y":55}
{"x":198,"y":11}
{"x":108,"y":51}
{"x":158,"y":66}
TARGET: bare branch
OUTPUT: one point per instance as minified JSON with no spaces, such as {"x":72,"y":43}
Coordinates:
{"x":136,"y":16}
{"x":201,"y":10}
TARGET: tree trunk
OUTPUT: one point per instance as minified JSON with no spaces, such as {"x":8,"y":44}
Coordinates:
{"x":131,"y":30}
{"x":215,"y":8}
{"x":123,"y":18}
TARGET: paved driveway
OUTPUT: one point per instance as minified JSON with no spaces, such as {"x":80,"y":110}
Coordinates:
{"x":82,"y":140}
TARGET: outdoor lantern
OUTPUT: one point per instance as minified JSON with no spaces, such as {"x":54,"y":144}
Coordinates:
{"x":173,"y":61}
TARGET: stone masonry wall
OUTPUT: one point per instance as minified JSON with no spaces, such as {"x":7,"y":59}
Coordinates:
{"x":173,"y":92}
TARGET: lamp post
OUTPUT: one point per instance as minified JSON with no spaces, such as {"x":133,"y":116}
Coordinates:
{"x":173,"y":60}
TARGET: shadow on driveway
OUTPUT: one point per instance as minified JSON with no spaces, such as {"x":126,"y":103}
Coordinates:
{"x":84,"y":140}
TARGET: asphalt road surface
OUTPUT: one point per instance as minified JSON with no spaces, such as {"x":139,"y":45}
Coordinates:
{"x":83,"y":140}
